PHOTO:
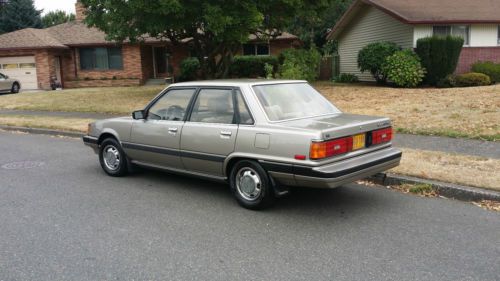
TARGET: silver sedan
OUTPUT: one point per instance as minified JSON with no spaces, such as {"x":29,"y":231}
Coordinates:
{"x":8,"y":85}
{"x":260,"y":136}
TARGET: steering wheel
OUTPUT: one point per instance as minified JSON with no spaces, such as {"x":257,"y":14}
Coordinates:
{"x":175,"y":113}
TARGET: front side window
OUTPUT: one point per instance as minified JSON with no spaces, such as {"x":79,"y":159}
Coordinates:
{"x":291,"y":101}
{"x":454,"y":30}
{"x":101,"y":58}
{"x":2,"y":76}
{"x":214,"y":106}
{"x":256,"y":49}
{"x":171,"y":106}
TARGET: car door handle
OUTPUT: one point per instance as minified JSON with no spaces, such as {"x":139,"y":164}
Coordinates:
{"x":172,"y":130}
{"x":226,"y":133}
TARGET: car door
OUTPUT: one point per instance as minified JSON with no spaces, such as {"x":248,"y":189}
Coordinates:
{"x":156,"y":138}
{"x":3,"y":83}
{"x":209,"y":135}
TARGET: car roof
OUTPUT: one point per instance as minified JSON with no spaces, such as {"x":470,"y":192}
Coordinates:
{"x":236,"y":82}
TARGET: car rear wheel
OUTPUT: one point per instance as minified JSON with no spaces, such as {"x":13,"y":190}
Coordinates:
{"x":112,"y":158}
{"x":15,"y":88}
{"x":251,"y":185}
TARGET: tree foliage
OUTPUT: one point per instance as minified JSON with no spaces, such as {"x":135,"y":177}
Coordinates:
{"x":300,"y":64}
{"x":404,"y":69}
{"x":216,"y":29}
{"x":372,"y":57}
{"x":312,"y":28}
{"x":19,"y":14}
{"x":57,"y":17}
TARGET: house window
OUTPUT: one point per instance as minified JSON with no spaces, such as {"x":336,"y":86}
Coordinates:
{"x":498,"y":36}
{"x":256,"y":49}
{"x":454,"y":30}
{"x":101,"y":58}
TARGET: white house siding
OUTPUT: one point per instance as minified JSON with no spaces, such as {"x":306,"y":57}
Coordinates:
{"x":371,"y":25}
{"x":481,"y":35}
{"x":421,"y":31}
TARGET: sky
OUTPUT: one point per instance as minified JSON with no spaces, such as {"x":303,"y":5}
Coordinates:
{"x":52,"y":5}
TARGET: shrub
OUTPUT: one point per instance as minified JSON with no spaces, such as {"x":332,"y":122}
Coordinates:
{"x":489,"y":68}
{"x":252,"y":66}
{"x":269,"y":70}
{"x":439,"y":56}
{"x":372,"y":57}
{"x":404,"y":69}
{"x":473,"y":79}
{"x":447,"y":82}
{"x":299,"y":64}
{"x":347,"y":78}
{"x":189,"y":69}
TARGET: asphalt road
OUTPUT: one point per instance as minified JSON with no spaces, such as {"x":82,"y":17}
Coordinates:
{"x":66,"y":220}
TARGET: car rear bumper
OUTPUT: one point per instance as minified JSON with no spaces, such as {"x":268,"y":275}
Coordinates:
{"x":337,"y":173}
{"x":91,"y":142}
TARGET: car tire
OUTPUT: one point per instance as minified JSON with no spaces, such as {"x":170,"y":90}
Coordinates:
{"x":251,"y":185}
{"x":15,"y":88}
{"x":112,"y":158}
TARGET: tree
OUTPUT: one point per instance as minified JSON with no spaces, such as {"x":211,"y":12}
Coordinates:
{"x":313,"y":28}
{"x":19,"y":14}
{"x":215,"y":29}
{"x":57,"y":17}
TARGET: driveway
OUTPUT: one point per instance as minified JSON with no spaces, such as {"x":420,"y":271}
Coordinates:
{"x":61,"y":218}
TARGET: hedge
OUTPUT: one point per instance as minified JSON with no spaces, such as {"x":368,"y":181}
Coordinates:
{"x":489,"y":68}
{"x":251,"y":66}
{"x":472,"y":79}
{"x":439,"y":56}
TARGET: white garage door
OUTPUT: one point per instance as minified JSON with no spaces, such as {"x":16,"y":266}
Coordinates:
{"x":22,"y":69}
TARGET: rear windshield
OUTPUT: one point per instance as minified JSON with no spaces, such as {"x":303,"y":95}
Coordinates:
{"x":294,"y":100}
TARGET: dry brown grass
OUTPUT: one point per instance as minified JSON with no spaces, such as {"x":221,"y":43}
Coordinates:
{"x":54,"y":123}
{"x":459,"y":169}
{"x":460,"y":112}
{"x":105,"y":100}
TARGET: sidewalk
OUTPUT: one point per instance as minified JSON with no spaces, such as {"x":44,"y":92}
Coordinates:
{"x":479,"y":148}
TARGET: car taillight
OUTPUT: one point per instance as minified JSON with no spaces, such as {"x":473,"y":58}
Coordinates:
{"x":381,"y":136}
{"x":330,"y":148}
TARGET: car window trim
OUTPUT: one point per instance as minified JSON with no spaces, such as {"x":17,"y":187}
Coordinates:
{"x":195,"y":97}
{"x":245,"y":103}
{"x":164,"y":93}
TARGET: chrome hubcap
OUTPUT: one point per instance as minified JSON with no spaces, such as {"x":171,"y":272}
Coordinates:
{"x":111,"y":157}
{"x":15,"y":88}
{"x":248,"y":184}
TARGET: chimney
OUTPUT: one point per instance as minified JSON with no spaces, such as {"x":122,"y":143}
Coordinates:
{"x":79,"y":11}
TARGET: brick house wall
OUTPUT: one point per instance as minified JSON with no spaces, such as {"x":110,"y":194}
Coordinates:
{"x":132,"y":66}
{"x":471,"y":55}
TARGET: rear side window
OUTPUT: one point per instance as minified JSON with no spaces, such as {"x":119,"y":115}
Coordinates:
{"x":214,"y":106}
{"x":171,"y":106}
{"x":245,"y":117}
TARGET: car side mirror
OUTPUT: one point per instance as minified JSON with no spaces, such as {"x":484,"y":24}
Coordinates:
{"x":138,"y":114}
{"x":6,"y":76}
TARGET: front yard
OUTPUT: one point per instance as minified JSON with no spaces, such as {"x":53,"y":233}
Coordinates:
{"x":457,"y":112}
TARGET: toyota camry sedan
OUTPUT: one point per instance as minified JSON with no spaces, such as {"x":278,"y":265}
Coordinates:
{"x":260,"y":136}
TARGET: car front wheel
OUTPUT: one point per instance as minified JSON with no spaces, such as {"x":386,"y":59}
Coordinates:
{"x":251,"y":186}
{"x":15,"y":88}
{"x":112,"y":158}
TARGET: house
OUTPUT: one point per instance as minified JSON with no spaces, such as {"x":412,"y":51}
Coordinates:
{"x":79,"y":56}
{"x":406,"y":21}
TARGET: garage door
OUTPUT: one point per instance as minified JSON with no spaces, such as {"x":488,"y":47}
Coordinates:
{"x":22,"y":69}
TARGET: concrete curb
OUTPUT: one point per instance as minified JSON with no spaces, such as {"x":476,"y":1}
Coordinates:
{"x":41,"y":131}
{"x":450,"y":190}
